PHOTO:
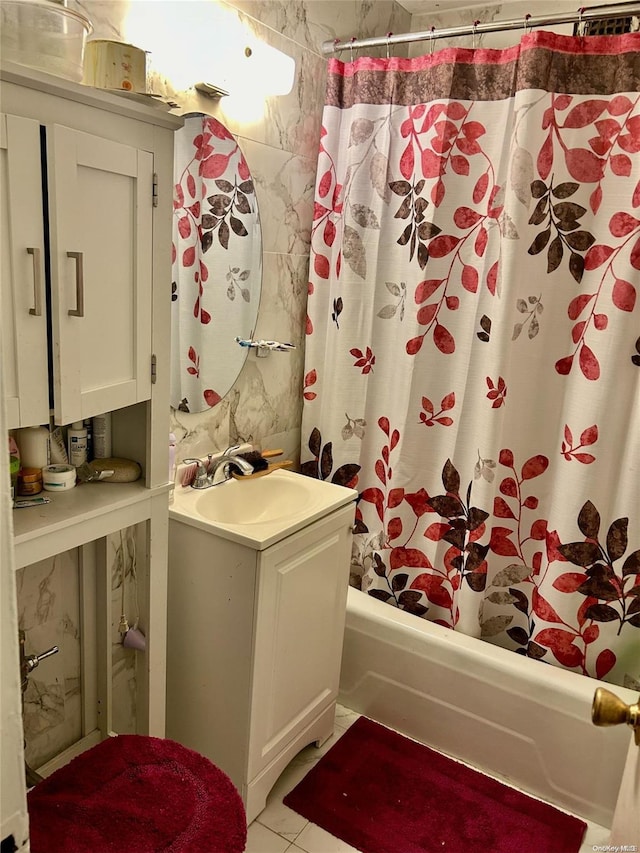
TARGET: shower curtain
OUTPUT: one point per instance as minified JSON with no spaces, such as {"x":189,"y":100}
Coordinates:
{"x":473,"y":340}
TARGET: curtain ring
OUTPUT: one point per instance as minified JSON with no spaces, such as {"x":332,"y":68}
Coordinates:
{"x":353,"y":38}
{"x":388,"y":37}
{"x":527,"y":28}
{"x":433,"y":29}
{"x":475,"y":34}
{"x":581,"y":24}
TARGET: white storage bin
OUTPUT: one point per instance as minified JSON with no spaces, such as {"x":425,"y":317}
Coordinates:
{"x":44,"y":35}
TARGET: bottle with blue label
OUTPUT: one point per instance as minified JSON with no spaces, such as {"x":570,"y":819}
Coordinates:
{"x":77,"y":441}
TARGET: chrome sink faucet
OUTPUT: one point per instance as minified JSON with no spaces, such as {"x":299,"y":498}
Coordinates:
{"x":217,"y":471}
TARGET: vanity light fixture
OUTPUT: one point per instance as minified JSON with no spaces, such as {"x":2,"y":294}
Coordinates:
{"x":206,"y":41}
{"x":269,"y":69}
{"x":258,"y":67}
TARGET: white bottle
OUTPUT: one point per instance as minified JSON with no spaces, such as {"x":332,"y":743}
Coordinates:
{"x":77,"y":441}
{"x":101,"y":426}
{"x":34,"y":446}
{"x":57,"y":449}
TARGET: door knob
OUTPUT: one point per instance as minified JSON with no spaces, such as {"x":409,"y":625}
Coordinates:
{"x":608,"y":709}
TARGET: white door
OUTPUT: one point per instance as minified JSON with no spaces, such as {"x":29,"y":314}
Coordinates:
{"x":101,"y":215}
{"x":302,"y":596}
{"x":24,"y":321}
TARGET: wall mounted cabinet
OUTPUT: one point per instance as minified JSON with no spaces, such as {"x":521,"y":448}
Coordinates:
{"x":85,"y":201}
{"x":77,"y":273}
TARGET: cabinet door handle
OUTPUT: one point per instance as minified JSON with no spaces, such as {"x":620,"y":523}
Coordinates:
{"x":78,"y":311}
{"x":36,"y":311}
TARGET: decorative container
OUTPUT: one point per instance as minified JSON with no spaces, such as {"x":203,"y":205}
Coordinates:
{"x":115,"y":65}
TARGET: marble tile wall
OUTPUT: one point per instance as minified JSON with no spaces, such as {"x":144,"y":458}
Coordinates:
{"x":48,"y":595}
{"x":48,"y":613}
{"x":122,"y":557}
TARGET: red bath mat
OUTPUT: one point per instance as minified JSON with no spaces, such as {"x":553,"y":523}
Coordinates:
{"x":383,"y":793}
{"x":137,"y":794}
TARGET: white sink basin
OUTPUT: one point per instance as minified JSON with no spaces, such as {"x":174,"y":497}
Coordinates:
{"x":261,"y":511}
{"x":264,"y":499}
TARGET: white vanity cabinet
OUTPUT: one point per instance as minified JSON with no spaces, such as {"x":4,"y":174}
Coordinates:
{"x":86,"y":204}
{"x":254,"y":645}
{"x":77,"y":205}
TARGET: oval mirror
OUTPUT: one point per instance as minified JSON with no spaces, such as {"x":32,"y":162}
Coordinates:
{"x":217,"y":263}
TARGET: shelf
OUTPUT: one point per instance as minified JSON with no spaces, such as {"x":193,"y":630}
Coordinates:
{"x":103,"y":99}
{"x":78,"y":516}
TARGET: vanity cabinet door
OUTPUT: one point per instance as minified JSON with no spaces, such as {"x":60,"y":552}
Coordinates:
{"x":302,"y":592}
{"x":22,"y":297}
{"x":101,"y":215}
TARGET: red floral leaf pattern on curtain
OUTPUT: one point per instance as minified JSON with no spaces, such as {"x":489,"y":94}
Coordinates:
{"x":521,"y":251}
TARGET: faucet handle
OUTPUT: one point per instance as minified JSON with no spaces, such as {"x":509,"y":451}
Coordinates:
{"x":192,"y":460}
{"x":34,"y":660}
{"x":231,"y":451}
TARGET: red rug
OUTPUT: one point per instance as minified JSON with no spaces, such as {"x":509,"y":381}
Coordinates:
{"x":383,"y":793}
{"x":137,"y":794}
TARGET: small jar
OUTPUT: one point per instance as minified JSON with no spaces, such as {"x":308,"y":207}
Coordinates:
{"x":29,"y":482}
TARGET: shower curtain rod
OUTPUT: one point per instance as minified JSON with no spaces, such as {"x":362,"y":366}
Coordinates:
{"x":617,"y":10}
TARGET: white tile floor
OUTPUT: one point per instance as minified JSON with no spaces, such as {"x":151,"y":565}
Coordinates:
{"x":278,"y":829}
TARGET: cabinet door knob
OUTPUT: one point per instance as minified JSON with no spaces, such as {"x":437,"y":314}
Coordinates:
{"x":78,"y":311}
{"x":36,"y":311}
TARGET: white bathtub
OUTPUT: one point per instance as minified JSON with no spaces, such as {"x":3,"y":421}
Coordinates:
{"x":514,"y":718}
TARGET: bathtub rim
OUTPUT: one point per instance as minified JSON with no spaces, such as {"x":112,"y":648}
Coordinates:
{"x":370,"y":610}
